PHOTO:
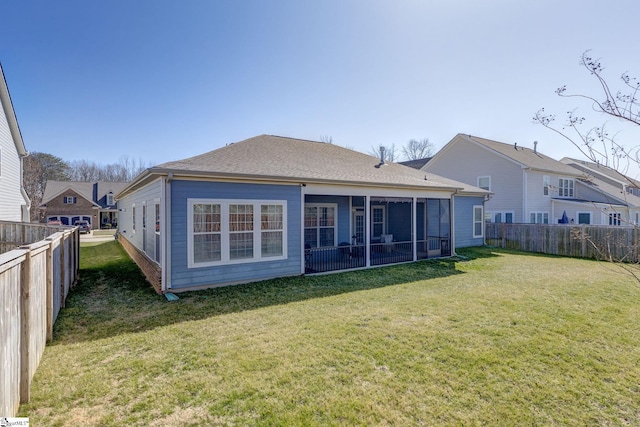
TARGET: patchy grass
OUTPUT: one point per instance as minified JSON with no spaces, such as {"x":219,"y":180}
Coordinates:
{"x":502,"y":338}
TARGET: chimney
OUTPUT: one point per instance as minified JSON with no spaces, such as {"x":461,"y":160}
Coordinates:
{"x":382,"y":154}
{"x":535,"y":147}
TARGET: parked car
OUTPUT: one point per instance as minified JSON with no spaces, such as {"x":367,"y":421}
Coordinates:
{"x":54,"y":222}
{"x":85,"y":227}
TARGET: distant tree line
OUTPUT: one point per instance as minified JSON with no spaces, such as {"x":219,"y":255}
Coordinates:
{"x":38,"y":168}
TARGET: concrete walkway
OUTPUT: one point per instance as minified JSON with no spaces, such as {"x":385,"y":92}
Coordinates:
{"x":90,"y":237}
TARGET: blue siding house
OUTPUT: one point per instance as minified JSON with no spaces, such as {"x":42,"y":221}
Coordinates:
{"x":272,"y":206}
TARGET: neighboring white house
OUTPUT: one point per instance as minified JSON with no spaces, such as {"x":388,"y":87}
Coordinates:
{"x":530,"y":187}
{"x":14,"y":203}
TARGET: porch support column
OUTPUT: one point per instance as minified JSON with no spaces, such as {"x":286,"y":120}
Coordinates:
{"x":414,"y":228}
{"x":367,"y":230}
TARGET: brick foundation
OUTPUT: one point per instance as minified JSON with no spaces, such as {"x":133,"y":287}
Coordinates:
{"x":152,"y":271}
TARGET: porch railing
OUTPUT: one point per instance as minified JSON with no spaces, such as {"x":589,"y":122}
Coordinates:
{"x":345,"y":256}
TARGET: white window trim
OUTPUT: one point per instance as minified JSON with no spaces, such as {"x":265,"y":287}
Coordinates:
{"x":484,"y":176}
{"x":561,"y":188}
{"x":317,"y":227}
{"x":536,"y":213}
{"x":224,"y":231}
{"x":110,"y":199}
{"x":481,"y":221}
{"x":578,"y":213}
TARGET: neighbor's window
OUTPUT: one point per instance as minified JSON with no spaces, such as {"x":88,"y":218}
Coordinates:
{"x":539,"y":218}
{"x":69,"y":200}
{"x":478,"y":223}
{"x":110,"y":199}
{"x":231,"y":231}
{"x":502,"y":216}
{"x":565,"y":187}
{"x":615,"y":218}
{"x":545,"y":185}
{"x":133,"y":219}
{"x":484,"y":182}
{"x":584,"y":217}
{"x":320,"y":225}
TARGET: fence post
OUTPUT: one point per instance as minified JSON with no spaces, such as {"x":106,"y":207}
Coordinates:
{"x":63,"y":271}
{"x":25,"y":327}
{"x":584,"y":241}
{"x":49,"y":274}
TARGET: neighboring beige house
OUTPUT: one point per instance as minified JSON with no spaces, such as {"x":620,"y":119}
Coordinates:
{"x":71,"y":201}
{"x":530,"y":187}
{"x":14,"y":202}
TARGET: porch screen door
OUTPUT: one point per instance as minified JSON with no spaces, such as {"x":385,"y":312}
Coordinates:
{"x":358,"y":227}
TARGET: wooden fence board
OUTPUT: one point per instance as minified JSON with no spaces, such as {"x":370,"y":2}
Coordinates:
{"x":35,"y":280}
{"x":582,"y":241}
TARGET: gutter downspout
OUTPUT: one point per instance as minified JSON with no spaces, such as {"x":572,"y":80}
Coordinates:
{"x":26,"y":216}
{"x":524,"y":196}
{"x":302,"y":248}
{"x":166,"y":236}
{"x":453,"y":224}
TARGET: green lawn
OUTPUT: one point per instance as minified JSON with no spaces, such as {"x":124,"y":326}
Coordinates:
{"x":500,"y":338}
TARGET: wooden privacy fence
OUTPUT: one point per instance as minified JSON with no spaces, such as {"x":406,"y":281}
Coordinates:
{"x":35,"y":280}
{"x":603,"y":242}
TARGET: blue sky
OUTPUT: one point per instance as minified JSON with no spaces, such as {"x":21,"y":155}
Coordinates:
{"x":163,"y":80}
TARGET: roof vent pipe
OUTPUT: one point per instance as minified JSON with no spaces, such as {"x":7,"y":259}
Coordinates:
{"x":535,"y":147}
{"x":515,"y":145}
{"x":382,"y":154}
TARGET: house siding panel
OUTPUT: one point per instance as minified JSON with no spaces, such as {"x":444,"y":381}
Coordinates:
{"x":183,"y":277}
{"x":463,"y":219}
{"x":11,"y":198}
{"x":465,"y":162}
{"x":148,"y":195}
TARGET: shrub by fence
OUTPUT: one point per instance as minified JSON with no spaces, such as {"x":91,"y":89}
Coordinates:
{"x":613,"y":243}
{"x":35,"y":280}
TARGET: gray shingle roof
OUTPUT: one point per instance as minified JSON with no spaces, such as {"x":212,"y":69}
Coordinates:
{"x":84,"y":189}
{"x":525,"y":156}
{"x":289,"y":159}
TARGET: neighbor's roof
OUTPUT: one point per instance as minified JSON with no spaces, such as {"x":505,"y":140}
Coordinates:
{"x":84,"y":189}
{"x":276,"y":158}
{"x":416,"y":163}
{"x":599,"y":169}
{"x":525,"y":156}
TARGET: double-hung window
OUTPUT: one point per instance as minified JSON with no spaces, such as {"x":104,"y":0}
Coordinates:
{"x":320,"y":225}
{"x":70,"y":200}
{"x":484,"y":182}
{"x":565,"y":187}
{"x":235,"y":231}
{"x":500,"y":216}
{"x":478,"y":223}
{"x":615,"y":218}
{"x":539,"y":218}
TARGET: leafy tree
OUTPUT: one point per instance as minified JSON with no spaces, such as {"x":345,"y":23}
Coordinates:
{"x":37,"y":169}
